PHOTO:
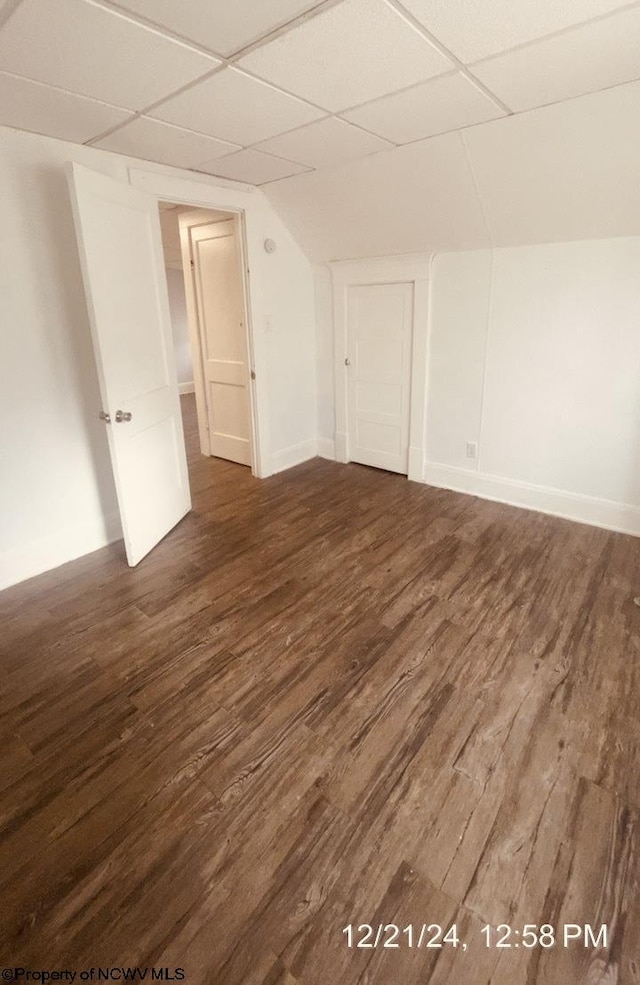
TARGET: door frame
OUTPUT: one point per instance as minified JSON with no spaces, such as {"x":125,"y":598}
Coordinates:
{"x":412,"y":269}
{"x":196,"y":218}
{"x":244,"y":202}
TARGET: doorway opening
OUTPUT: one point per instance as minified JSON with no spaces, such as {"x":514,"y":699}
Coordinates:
{"x":203,"y":254}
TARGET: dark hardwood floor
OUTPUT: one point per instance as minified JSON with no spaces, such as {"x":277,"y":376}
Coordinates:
{"x":329,"y":698}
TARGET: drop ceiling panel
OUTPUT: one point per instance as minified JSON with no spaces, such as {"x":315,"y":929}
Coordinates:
{"x":324,"y":143}
{"x":433,"y":107}
{"x":32,"y":106}
{"x":162,"y":142}
{"x":252,"y":167}
{"x":474,"y":29}
{"x":95,"y":52}
{"x":349,"y":54}
{"x":233,"y":106}
{"x":223,"y":27}
{"x":596,"y":56}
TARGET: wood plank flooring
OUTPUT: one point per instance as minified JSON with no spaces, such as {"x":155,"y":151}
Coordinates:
{"x":329,"y":698}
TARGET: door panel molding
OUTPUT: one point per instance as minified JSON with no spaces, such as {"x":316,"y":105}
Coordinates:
{"x":412,"y":269}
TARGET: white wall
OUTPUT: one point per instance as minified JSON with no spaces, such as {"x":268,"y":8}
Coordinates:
{"x":180,"y":329}
{"x":325,"y":360}
{"x":289,"y":326}
{"x":57,"y":499}
{"x":535,"y":355}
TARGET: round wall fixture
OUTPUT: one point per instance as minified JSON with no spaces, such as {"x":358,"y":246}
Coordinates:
{"x":269,"y":246}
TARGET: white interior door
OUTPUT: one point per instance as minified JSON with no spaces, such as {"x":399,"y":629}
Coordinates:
{"x":120,"y":248}
{"x":379,"y":330}
{"x":220,"y":312}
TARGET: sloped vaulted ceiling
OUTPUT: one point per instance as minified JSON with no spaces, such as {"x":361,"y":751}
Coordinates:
{"x":564,"y":172}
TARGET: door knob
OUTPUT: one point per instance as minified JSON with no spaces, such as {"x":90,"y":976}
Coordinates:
{"x":122,"y":415}
{"x":103,"y":416}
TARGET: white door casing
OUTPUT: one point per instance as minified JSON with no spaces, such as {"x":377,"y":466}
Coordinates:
{"x":379,"y":330}
{"x":120,"y":248}
{"x":216,"y":305}
{"x":410,"y":269}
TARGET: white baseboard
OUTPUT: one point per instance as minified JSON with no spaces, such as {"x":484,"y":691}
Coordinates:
{"x":622,"y":517}
{"x":187,"y":387}
{"x":286,"y":458}
{"x":415,"y":470}
{"x":327,"y":448}
{"x":33,"y":559}
{"x":340,"y":447}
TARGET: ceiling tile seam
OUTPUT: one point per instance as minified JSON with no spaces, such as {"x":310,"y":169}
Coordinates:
{"x":396,"y":92}
{"x":146,"y":110}
{"x":278,"y":157}
{"x":282,"y":29}
{"x":9,"y":11}
{"x":330,"y":116}
{"x":554,"y":34}
{"x":486,"y":91}
{"x":443,"y":133}
{"x":278,"y":88}
{"x":138,"y":114}
{"x":107,"y":133}
{"x":458,"y":130}
{"x":476,"y":185}
{"x":67,"y":92}
{"x":171,"y":126}
{"x":315,"y":167}
{"x":161,"y":32}
{"x":305,"y":126}
{"x":364,"y":129}
{"x":569,"y":99}
{"x":371,"y":133}
{"x":516,"y":113}
{"x":141,"y":21}
{"x":222,"y":177}
{"x":457,"y":63}
{"x":227,"y":182}
{"x":270,"y":35}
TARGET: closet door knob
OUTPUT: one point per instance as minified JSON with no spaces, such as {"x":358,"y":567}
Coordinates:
{"x":122,"y":415}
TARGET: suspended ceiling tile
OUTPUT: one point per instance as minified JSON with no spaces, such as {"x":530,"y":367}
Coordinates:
{"x":222,"y":27}
{"x":235,"y":107}
{"x":162,"y":142}
{"x":324,"y":143}
{"x":33,"y":106}
{"x":252,"y":167}
{"x":96,"y":52}
{"x":349,"y":54}
{"x":437,"y":106}
{"x":474,"y":29}
{"x":596,"y":56}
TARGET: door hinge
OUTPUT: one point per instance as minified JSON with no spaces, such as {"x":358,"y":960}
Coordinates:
{"x":253,"y":374}
{"x":192,"y":264}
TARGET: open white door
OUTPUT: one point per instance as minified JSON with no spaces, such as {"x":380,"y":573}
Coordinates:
{"x":120,"y":249}
{"x":215,"y":301}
